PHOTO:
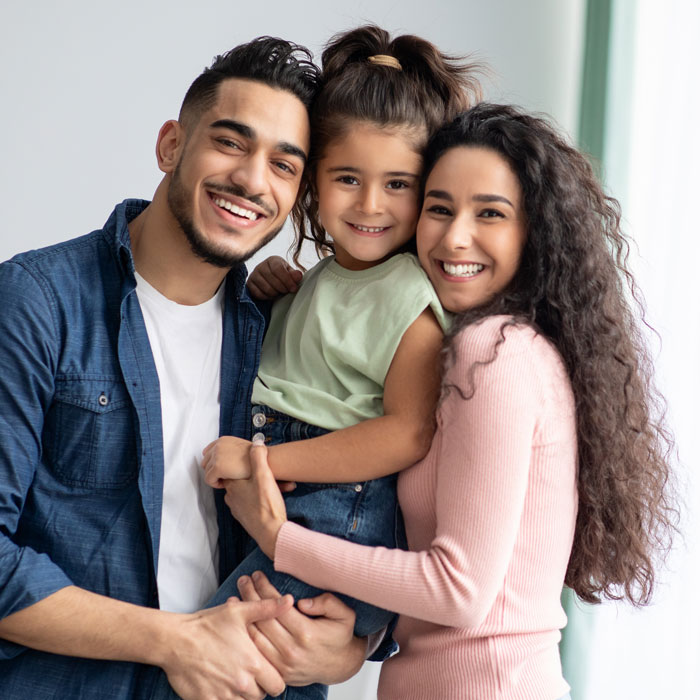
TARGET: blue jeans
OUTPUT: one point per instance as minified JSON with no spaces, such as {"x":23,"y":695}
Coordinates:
{"x":365,"y":512}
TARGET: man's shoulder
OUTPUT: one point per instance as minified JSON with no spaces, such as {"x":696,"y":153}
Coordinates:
{"x":83,"y":257}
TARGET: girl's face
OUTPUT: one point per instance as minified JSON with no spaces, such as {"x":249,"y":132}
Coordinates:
{"x":367,"y":186}
{"x":471,"y":230}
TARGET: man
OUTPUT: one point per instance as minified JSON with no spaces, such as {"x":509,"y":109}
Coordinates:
{"x":113,"y":353}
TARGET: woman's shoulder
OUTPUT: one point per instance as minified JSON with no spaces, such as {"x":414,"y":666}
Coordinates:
{"x":503,"y":337}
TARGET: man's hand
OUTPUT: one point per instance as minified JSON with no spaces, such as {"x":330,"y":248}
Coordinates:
{"x":226,"y":458}
{"x":319,"y":649}
{"x":207,"y":654}
{"x":213,"y":656}
{"x":272,"y":278}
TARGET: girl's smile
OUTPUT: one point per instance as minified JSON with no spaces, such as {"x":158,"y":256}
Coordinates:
{"x":367,"y":188}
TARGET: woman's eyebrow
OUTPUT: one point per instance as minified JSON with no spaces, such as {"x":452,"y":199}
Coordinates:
{"x":439,"y":194}
{"x":492,"y":198}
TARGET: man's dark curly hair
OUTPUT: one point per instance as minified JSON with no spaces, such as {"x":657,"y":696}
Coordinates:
{"x":574,"y":286}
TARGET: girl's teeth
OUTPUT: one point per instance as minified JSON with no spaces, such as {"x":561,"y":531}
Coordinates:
{"x":370,"y":229}
{"x":234,"y":209}
{"x":462,"y":270}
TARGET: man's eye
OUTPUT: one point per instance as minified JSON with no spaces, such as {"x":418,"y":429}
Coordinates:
{"x":228,"y":143}
{"x":285,"y":167}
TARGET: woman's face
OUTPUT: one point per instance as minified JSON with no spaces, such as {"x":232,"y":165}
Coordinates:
{"x":471,"y":230}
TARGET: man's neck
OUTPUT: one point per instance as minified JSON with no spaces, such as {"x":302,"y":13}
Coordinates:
{"x":163,"y":257}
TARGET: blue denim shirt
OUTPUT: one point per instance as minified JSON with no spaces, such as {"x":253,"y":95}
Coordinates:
{"x":81,"y":453}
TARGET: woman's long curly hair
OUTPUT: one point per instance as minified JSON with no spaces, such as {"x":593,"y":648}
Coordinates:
{"x":573,"y":285}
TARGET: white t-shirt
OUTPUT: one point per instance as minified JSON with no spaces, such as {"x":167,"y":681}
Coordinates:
{"x":186,"y":346}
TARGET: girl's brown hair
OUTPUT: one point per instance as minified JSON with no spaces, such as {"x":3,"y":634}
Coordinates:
{"x":427,"y":90}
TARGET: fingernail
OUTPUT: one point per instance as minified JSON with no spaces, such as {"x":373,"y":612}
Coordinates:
{"x":258,"y":439}
{"x":306,"y":603}
{"x":242,"y":580}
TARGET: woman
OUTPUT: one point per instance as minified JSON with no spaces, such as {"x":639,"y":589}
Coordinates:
{"x":549,"y":464}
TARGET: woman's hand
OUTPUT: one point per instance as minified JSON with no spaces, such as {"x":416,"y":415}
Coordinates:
{"x":272,"y":278}
{"x":224,"y":459}
{"x":257,"y":502}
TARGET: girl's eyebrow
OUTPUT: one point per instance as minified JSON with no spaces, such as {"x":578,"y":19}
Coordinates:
{"x":349,"y":169}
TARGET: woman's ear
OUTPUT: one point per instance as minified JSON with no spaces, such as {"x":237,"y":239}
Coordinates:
{"x":171,"y":138}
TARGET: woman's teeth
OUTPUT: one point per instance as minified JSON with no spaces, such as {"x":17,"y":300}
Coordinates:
{"x":235,"y":209}
{"x":462,"y":270}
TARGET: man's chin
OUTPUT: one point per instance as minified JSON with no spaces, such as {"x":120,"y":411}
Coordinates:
{"x":218,"y":255}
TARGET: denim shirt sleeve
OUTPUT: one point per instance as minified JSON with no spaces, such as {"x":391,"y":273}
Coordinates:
{"x":29,"y":349}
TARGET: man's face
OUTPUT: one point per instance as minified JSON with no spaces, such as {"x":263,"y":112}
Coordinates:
{"x":236,"y":175}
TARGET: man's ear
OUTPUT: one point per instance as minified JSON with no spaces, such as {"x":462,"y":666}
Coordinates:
{"x":171,"y":139}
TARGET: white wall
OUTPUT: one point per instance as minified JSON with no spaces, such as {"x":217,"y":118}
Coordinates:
{"x":86,"y":85}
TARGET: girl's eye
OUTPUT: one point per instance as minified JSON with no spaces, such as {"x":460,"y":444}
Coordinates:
{"x":347,"y":180}
{"x":397,"y":185}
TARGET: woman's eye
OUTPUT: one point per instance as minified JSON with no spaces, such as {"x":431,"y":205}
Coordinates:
{"x":491,"y":214}
{"x":439,"y":210}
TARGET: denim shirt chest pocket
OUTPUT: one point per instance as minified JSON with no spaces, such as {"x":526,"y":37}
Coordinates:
{"x":89,"y":437}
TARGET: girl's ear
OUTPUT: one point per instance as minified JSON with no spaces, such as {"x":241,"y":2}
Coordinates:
{"x":171,"y":138}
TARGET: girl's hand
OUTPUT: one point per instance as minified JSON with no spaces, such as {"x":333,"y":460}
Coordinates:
{"x":272,"y":278}
{"x":257,"y":502}
{"x":224,"y":459}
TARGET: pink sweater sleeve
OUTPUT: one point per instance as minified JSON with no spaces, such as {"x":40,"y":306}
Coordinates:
{"x":483,"y":448}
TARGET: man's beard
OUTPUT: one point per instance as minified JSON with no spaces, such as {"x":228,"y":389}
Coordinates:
{"x":217,"y":255}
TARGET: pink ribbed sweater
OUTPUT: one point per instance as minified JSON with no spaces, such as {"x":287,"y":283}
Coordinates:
{"x":490,"y":515}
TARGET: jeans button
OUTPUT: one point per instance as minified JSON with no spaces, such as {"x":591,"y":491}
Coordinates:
{"x":259,"y":420}
{"x":258,"y":436}
{"x":358,"y":487}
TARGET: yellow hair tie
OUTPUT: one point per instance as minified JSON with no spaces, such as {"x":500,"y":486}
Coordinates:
{"x":384,"y":60}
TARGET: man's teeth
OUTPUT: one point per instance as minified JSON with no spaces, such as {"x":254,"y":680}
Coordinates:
{"x":370,"y":229}
{"x":235,"y":209}
{"x":462,"y":270}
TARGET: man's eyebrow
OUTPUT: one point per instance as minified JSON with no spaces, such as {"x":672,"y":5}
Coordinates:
{"x":291,"y":150}
{"x":249,"y":133}
{"x":232,"y":125}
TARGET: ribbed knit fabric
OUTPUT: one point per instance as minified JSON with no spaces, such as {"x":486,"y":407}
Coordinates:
{"x":490,"y":515}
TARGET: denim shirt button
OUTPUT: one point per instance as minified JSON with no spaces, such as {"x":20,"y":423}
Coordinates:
{"x":103,"y":400}
{"x":358,"y":487}
{"x":259,"y":420}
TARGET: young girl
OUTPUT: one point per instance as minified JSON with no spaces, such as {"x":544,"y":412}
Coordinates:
{"x":350,"y":360}
{"x":549,"y":464}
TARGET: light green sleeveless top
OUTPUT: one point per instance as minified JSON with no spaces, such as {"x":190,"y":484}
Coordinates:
{"x":329,"y":346}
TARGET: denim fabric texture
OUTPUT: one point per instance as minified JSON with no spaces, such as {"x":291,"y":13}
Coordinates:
{"x":81,"y":457}
{"x":364,"y":512}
